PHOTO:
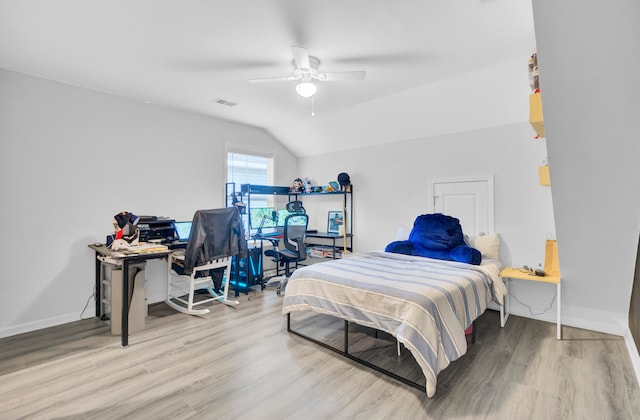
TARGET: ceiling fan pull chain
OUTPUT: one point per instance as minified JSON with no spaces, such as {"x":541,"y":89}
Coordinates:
{"x":313,"y":113}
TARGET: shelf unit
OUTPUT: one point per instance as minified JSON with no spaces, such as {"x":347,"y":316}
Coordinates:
{"x":332,"y":243}
{"x":324,"y":241}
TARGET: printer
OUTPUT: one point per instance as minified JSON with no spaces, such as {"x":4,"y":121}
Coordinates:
{"x":156,"y":229}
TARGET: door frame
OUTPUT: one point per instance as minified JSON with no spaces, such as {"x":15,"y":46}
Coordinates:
{"x":489,"y":179}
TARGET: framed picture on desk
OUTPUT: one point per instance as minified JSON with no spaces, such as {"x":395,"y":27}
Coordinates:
{"x":334,"y":221}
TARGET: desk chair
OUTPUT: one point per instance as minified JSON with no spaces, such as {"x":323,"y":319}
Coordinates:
{"x":216,"y":236}
{"x":294,"y":250}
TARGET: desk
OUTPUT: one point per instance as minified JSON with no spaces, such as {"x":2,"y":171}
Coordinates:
{"x":333,"y":237}
{"x":125,"y":259}
{"x":514,"y":273}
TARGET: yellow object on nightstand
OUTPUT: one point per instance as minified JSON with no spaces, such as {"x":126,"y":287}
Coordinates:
{"x":535,"y":113}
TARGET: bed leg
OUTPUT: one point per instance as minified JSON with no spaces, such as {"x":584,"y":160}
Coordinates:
{"x":473,"y":332}
{"x":346,"y":337}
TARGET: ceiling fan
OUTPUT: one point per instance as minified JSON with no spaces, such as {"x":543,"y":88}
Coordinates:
{"x":305,"y":70}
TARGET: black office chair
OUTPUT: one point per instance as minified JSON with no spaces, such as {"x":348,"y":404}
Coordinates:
{"x":294,"y":249}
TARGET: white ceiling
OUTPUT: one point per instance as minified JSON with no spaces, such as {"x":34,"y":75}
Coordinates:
{"x":187,"y":54}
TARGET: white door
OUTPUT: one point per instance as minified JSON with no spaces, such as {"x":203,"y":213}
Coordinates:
{"x":470,"y":200}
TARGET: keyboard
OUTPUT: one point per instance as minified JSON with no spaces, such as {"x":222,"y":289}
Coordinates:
{"x":268,"y":235}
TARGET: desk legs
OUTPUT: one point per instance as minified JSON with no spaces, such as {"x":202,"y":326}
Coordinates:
{"x":559,"y":324}
{"x":504,"y":308}
{"x":98,"y":288}
{"x":124,"y":332}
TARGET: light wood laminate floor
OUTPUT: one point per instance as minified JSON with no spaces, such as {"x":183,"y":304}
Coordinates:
{"x":240,"y":363}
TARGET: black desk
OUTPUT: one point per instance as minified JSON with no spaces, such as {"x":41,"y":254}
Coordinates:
{"x":312,"y":239}
{"x":125,"y":259}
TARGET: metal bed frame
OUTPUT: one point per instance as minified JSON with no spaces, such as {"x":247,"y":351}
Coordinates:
{"x":357,"y":359}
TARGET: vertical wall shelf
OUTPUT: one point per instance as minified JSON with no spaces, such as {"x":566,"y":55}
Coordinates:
{"x":535,"y":113}
{"x":536,"y":118}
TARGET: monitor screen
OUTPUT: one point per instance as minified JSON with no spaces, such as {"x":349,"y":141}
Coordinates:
{"x":182,"y":230}
{"x":282,"y":214}
{"x":262,"y":216}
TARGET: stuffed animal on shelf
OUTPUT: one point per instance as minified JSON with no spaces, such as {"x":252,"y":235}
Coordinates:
{"x":306,"y":184}
{"x":297,"y":185}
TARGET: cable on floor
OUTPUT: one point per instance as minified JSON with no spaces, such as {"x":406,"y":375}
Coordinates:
{"x":529,"y":307}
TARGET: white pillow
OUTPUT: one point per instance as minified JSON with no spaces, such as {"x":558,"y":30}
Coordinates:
{"x":403,"y":233}
{"x":488,"y":245}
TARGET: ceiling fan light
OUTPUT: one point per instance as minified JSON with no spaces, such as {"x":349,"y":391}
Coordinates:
{"x":306,"y":89}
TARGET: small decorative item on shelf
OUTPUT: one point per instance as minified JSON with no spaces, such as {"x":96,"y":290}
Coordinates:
{"x":306,"y":185}
{"x":333,"y":186}
{"x":297,"y":185}
{"x":345,"y":181}
{"x":535,"y":101}
{"x":534,"y":80}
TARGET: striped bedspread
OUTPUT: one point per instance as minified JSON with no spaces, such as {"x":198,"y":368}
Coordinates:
{"x":425,"y":303}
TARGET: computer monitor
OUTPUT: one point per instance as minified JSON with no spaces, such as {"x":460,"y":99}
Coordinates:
{"x":183,"y":229}
{"x":262,"y":217}
{"x":282,"y":216}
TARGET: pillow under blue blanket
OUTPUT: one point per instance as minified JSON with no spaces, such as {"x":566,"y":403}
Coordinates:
{"x":460,"y":253}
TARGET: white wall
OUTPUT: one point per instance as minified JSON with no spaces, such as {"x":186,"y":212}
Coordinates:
{"x":70,"y":159}
{"x":589,"y":59}
{"x":390,"y":190}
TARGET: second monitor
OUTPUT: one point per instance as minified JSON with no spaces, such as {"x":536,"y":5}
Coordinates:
{"x":262,"y":217}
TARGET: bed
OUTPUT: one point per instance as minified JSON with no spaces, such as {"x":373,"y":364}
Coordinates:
{"x":426,"y":304}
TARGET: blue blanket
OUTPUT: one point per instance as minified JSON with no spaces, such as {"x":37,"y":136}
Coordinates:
{"x":437,"y":236}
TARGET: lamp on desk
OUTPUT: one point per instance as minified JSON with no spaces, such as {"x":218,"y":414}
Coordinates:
{"x":124,"y":222}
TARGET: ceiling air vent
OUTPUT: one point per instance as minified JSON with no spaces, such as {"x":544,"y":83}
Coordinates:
{"x":224,"y":102}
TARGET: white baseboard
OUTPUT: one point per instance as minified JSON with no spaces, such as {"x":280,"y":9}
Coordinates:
{"x":40,"y":324}
{"x":156,"y":298}
{"x":633,"y":353}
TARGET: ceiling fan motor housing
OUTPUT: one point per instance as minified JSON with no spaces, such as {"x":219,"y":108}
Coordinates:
{"x":311,"y":73}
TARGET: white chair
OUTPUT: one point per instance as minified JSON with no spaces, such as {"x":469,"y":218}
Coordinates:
{"x":181,"y":286}
{"x":216,"y":236}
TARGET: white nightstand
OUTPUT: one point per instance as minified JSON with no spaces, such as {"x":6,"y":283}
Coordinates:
{"x":515,"y":273}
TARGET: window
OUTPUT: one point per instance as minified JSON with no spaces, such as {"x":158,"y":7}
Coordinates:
{"x":249,"y":169}
{"x":243,"y":168}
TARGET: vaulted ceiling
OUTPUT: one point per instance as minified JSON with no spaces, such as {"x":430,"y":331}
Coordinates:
{"x":191,"y":55}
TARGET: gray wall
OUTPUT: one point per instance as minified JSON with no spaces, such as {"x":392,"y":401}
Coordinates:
{"x":70,"y":159}
{"x":589,"y":58}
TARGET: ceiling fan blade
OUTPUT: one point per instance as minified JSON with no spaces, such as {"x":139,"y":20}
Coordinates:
{"x":274,"y":79}
{"x":301,"y":57}
{"x":347,"y":76}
